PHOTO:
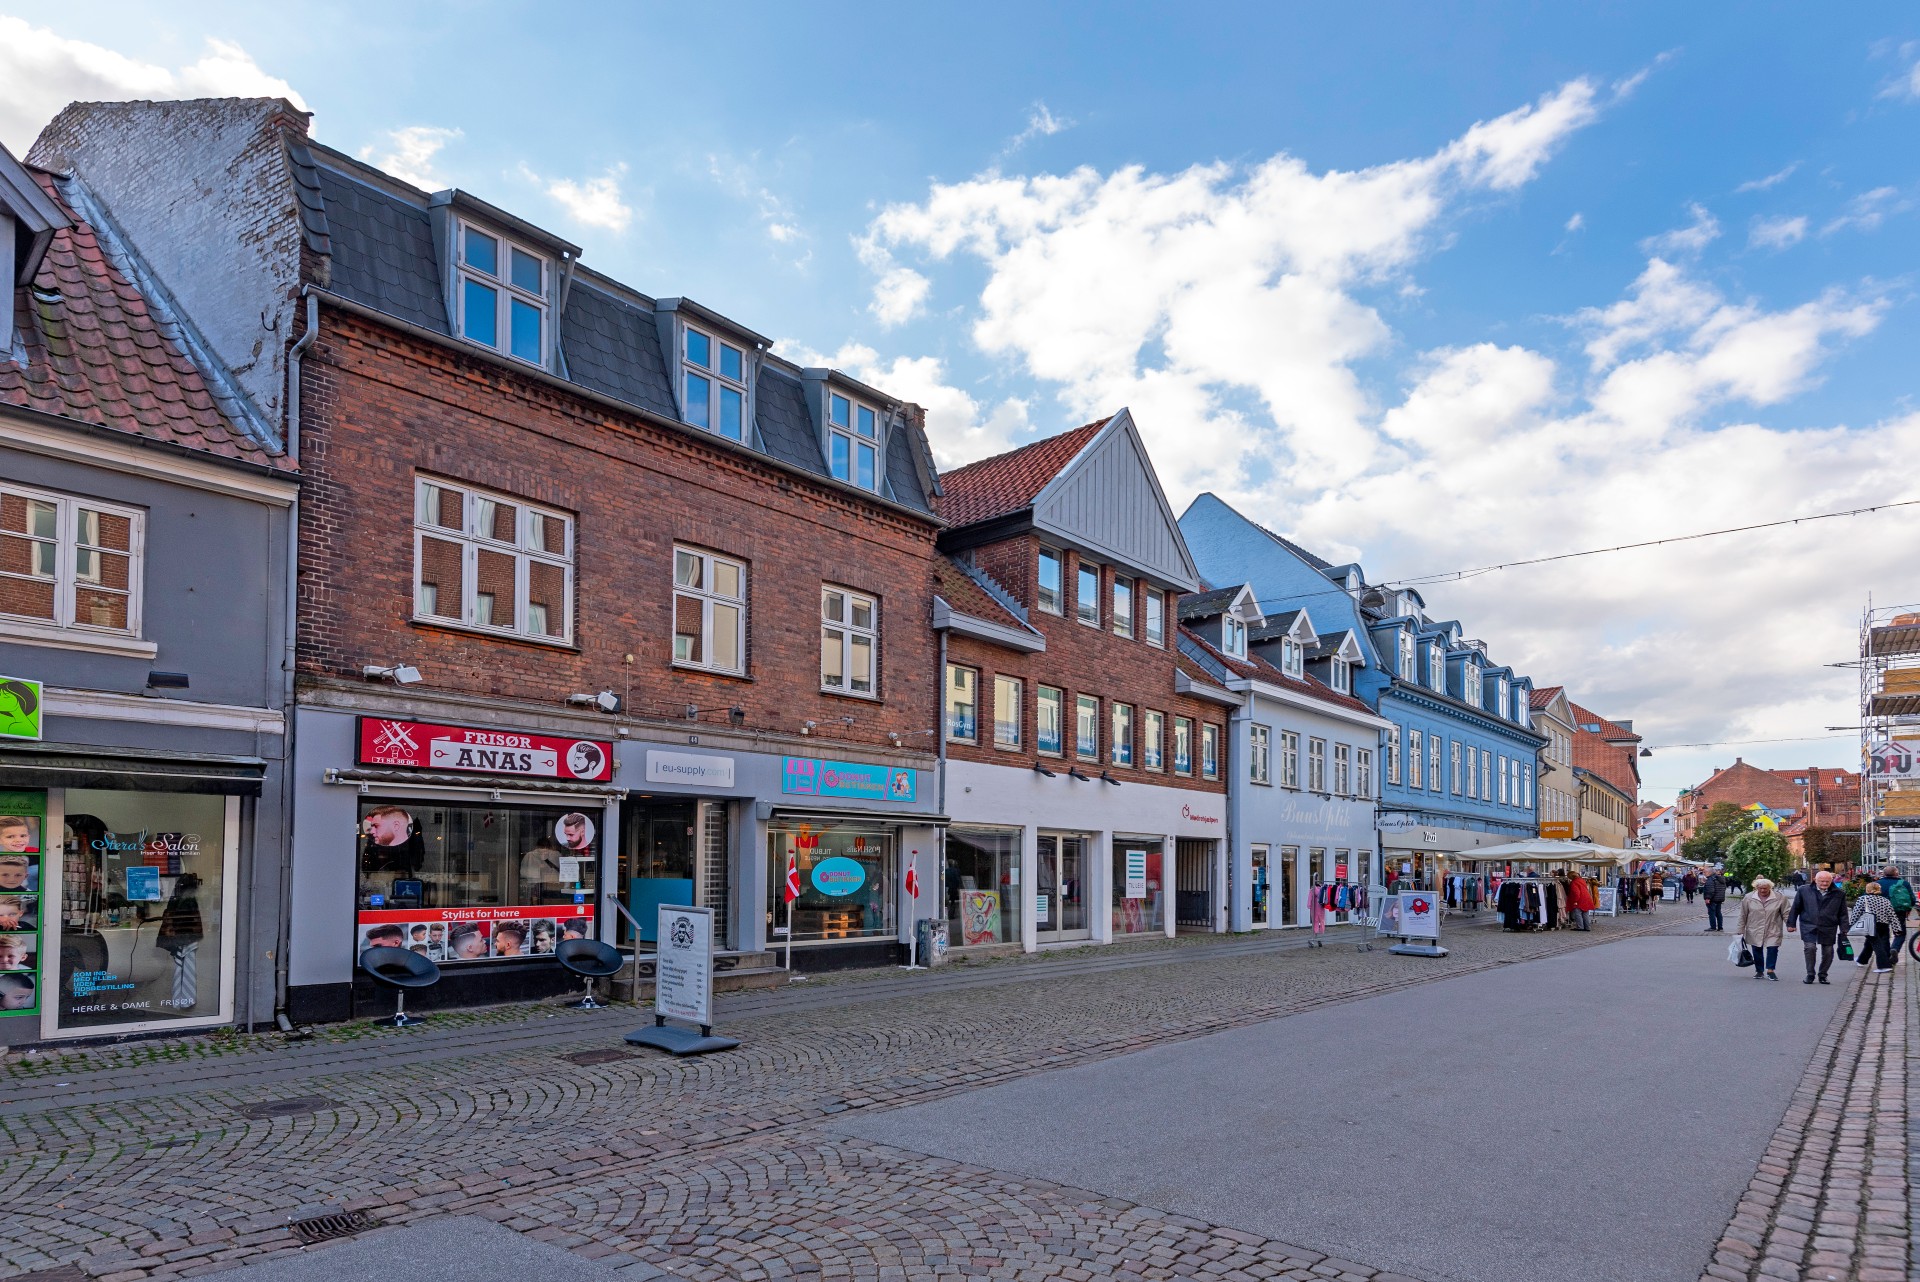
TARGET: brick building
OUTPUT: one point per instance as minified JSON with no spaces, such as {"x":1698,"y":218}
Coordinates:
{"x":1783,"y":793}
{"x":601,"y":603}
{"x":1606,"y":766}
{"x":1086,"y":757}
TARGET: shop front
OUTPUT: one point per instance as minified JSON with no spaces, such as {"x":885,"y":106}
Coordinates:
{"x":1424,"y":856}
{"x":1308,"y":855}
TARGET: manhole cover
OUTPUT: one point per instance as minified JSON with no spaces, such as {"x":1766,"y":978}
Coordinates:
{"x":325,"y":1228}
{"x":597,"y":1057}
{"x":286,"y":1107}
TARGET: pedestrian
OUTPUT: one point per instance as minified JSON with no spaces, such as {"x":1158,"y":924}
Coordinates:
{"x":1796,"y":879}
{"x":1691,"y":884}
{"x":1899,"y":893}
{"x":1763,"y":915}
{"x":1580,"y":902}
{"x":1714,"y":891}
{"x":1819,"y":912}
{"x":1874,"y":917}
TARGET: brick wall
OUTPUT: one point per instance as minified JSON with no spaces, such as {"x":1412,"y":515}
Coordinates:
{"x":1082,"y":660}
{"x":380,"y":408}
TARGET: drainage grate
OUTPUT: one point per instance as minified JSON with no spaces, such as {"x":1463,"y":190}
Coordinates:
{"x":286,"y":1107}
{"x":325,"y":1228}
{"x":584,"y":1058}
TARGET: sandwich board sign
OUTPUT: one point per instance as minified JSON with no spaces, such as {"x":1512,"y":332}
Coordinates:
{"x":683,"y":984}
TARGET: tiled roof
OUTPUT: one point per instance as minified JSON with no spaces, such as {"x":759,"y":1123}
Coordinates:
{"x":960,"y":591}
{"x":1258,"y":669}
{"x":101,"y":351}
{"x":1542,"y":697}
{"x":1009,"y":482}
{"x":1196,"y":671}
{"x":1204,"y":605}
{"x":1610,"y":730}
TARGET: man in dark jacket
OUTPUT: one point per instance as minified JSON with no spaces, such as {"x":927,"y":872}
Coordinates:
{"x":1822,"y":910}
{"x":1714,"y":891}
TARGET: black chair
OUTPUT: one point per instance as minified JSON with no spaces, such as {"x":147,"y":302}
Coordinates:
{"x":399,"y":969}
{"x":590,"y":959}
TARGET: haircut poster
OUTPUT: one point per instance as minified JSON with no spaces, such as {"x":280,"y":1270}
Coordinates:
{"x":23,"y":900}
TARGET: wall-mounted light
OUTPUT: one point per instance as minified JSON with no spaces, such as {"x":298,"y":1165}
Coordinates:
{"x":1073,"y":772}
{"x":606,"y":701}
{"x":893,"y":737}
{"x":1107,"y":778}
{"x":737,"y":715}
{"x":807,"y":727}
{"x":398,"y":673}
{"x":1043,"y":771}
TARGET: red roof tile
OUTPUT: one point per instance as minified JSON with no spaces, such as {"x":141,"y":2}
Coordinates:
{"x":959,"y":590}
{"x":1008,"y":482}
{"x":1541,"y":698}
{"x":97,"y":354}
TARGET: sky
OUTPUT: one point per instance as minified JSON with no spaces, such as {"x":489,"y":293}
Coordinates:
{"x":1429,"y":287}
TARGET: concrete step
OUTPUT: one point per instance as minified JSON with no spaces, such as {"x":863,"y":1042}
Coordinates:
{"x":732,"y":973}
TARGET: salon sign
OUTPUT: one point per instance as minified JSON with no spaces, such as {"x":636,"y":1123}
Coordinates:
{"x":425,"y":745}
{"x":806,"y":777}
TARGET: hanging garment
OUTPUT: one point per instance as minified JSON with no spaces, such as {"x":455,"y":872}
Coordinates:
{"x":1318,"y":915}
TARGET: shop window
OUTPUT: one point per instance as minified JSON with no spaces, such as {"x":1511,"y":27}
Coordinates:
{"x":1049,"y":581}
{"x":709,"y":611}
{"x":146,"y":888}
{"x":1122,"y":746}
{"x":1139,"y":887}
{"x":1048,"y":721}
{"x":475,"y":883}
{"x":1183,"y":745}
{"x":1210,"y":751}
{"x":490,"y":562}
{"x":69,"y":563}
{"x":1006,"y":712}
{"x":983,"y":886}
{"x":1086,"y":728}
{"x":849,"y":640}
{"x":849,"y":878}
{"x":963,"y":704}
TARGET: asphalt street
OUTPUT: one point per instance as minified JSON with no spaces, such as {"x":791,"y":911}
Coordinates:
{"x":1588,"y":1117}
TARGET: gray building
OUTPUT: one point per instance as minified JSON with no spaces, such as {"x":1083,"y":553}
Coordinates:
{"x":145,"y":516}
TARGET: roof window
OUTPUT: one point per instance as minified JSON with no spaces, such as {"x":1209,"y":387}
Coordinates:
{"x":853,"y":441}
{"x":713,"y":384}
{"x":502,"y":295}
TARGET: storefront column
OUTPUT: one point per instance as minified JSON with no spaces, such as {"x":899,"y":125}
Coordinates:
{"x":1099,"y":891}
{"x":1029,"y":878}
{"x":750,"y":857}
{"x":1170,"y":873}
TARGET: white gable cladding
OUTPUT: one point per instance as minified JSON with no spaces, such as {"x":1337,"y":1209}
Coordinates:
{"x":1108,"y":502}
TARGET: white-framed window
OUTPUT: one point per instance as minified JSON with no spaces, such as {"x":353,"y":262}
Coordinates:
{"x":713,"y":384}
{"x":1210,"y":751}
{"x":1471,"y":772}
{"x":1486,"y":775}
{"x":1153,"y":734}
{"x":1316,"y":765}
{"x":963,"y":704}
{"x":1049,"y":724}
{"x":1290,"y":758}
{"x":1122,"y":606}
{"x":70,"y":562}
{"x":1393,"y":754}
{"x":1086,"y":595}
{"x":1506,"y":793}
{"x":1342,"y":769}
{"x":484,"y":560}
{"x":1433,"y":763}
{"x":1155,"y":605}
{"x":1234,"y":634}
{"x":1363,"y":772}
{"x":1047,"y":579}
{"x":1183,"y":745}
{"x":1437,"y":667}
{"x":1086,"y":728}
{"x":1416,"y":753}
{"x":1470,"y":685}
{"x":709,"y":611}
{"x":849,"y":641}
{"x":1502,"y":694}
{"x":1408,"y":669}
{"x":853,"y":441}
{"x":1121,"y":749}
{"x":1526,"y":779}
{"x":501,"y":293}
{"x":1260,"y":754}
{"x":1337,"y":674}
{"x":1008,"y":696}
{"x":1293,"y":657}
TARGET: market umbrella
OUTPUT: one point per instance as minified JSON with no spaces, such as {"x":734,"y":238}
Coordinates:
{"x":1552,"y":850}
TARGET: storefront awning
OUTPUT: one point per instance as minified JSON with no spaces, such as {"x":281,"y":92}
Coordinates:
{"x":474,"y":783}
{"x":773,"y":810}
{"x":65,"y":765}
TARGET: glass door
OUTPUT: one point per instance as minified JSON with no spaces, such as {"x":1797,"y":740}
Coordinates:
{"x":1060,"y":888}
{"x":1289,"y":886}
{"x":1260,"y":886}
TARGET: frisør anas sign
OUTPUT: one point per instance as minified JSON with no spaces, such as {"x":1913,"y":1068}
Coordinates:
{"x":425,"y":745}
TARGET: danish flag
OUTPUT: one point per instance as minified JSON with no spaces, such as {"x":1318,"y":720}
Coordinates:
{"x":913,"y":881}
{"x":793,"y":876}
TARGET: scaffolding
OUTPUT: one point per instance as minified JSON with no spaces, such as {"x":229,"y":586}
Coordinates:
{"x":1890,"y":736}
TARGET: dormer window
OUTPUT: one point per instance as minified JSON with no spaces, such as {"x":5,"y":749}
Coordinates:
{"x":1470,"y":683}
{"x":713,"y":387}
{"x":1437,"y":667}
{"x":1234,"y":634}
{"x":1337,"y":675}
{"x":853,"y":440}
{"x":1293,"y":657}
{"x":1409,"y":665}
{"x":502,"y":295}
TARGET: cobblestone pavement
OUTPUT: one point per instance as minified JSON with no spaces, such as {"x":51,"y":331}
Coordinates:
{"x":1836,"y":1193}
{"x":155,"y":1160}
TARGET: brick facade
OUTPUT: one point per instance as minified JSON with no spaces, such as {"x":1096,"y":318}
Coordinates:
{"x":381,"y":408}
{"x":1785,"y":791}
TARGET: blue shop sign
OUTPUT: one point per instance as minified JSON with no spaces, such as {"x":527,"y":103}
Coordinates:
{"x":837,"y":875}
{"x":851,"y":779}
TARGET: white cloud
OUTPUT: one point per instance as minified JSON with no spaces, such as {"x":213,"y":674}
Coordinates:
{"x":411,"y":154}
{"x":741,"y":179}
{"x":1771,"y":181}
{"x":1868,"y":210}
{"x":1907,"y":83}
{"x":1691,"y":239}
{"x":1777,"y":233}
{"x":1576,"y":223}
{"x":595,"y":202}
{"x":41,"y":72}
{"x":1041,"y":123}
{"x":900,"y":295}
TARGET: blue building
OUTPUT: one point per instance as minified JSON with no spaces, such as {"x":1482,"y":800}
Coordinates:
{"x":1459,"y":758}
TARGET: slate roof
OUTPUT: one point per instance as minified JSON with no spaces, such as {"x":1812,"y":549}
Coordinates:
{"x":1204,"y":605}
{"x":383,"y":256}
{"x":1256,"y":668}
{"x":964,"y":593}
{"x":1008,"y":482}
{"x":105,"y":351}
{"x":1329,"y":645}
{"x":1197,"y":671}
{"x":1276,"y":626}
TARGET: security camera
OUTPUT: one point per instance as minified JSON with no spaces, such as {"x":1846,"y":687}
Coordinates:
{"x":606,"y":701}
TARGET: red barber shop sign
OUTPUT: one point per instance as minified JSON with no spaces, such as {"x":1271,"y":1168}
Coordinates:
{"x":422,"y":745}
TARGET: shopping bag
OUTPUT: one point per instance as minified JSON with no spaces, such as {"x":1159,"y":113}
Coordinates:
{"x":1737,"y":952}
{"x":1746,"y":957}
{"x":1846,"y":948}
